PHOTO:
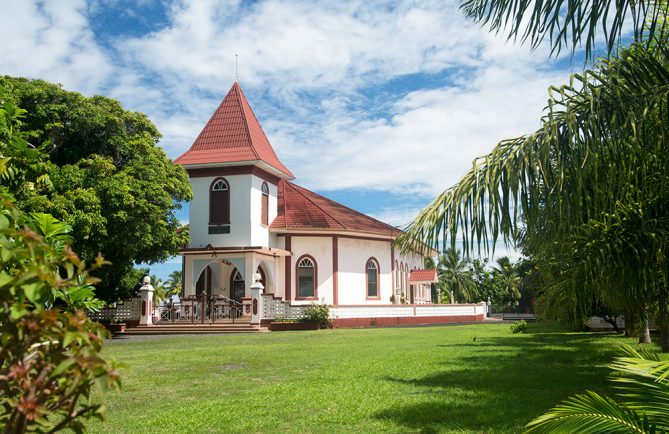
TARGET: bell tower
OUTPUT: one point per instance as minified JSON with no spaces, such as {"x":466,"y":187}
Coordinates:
{"x":234,"y":173}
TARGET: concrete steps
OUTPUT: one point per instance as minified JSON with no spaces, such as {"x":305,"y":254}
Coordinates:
{"x":183,"y":329}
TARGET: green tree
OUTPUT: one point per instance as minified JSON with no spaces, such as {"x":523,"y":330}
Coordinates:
{"x":509,"y":278}
{"x":109,"y":179}
{"x":455,"y":278}
{"x":130,"y":283}
{"x":486,"y":285}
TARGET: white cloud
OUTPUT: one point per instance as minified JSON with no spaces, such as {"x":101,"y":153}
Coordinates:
{"x":52,"y":40}
{"x":331,"y":81}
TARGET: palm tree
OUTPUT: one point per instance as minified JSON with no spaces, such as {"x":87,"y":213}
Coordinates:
{"x":510,"y":278}
{"x":589,"y":187}
{"x":174,"y":284}
{"x":455,"y":277}
{"x":159,"y":290}
{"x":642,"y":382}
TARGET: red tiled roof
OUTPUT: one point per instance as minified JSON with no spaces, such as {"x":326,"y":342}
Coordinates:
{"x":299,"y":208}
{"x":423,"y":276}
{"x":233,"y":134}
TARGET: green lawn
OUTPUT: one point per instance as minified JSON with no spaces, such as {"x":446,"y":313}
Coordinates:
{"x":424,"y":379}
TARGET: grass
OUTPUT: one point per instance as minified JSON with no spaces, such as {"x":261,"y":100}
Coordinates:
{"x":471,"y":378}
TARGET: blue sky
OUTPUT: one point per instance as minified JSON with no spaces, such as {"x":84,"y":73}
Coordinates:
{"x":378,"y":105}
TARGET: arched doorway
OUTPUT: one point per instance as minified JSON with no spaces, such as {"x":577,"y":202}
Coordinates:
{"x":204,"y":282}
{"x":237,"y":286}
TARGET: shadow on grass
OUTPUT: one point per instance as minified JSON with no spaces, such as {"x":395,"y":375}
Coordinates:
{"x":501,"y":383}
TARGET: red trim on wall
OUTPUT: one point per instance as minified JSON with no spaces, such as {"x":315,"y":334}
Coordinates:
{"x":335,"y":270}
{"x":297,"y":276}
{"x":378,"y":280}
{"x":204,"y":172}
{"x":396,"y":321}
{"x":288,"y":267}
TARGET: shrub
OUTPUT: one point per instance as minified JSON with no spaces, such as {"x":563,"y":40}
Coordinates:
{"x":519,"y":327}
{"x":319,"y":313}
{"x":49,"y":348}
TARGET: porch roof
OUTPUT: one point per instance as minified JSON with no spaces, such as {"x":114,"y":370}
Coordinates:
{"x":423,"y":276}
{"x":211,"y":250}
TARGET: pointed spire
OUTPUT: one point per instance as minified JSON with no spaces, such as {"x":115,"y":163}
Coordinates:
{"x":233,"y":135}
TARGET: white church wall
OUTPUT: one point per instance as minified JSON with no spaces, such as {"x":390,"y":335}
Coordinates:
{"x":240,"y":213}
{"x":320,"y":248}
{"x":353,"y":257}
{"x":259,"y":233}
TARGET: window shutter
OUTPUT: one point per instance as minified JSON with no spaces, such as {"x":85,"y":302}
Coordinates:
{"x":264,"y":216}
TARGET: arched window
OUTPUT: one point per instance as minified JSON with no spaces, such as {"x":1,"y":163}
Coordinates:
{"x":306,"y":278}
{"x":219,"y":207}
{"x":406,"y":278}
{"x":372,"y":272}
{"x":264,"y":208}
{"x":237,"y":286}
{"x":397,"y":277}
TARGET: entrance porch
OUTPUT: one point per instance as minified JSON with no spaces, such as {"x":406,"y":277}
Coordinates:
{"x":228,"y":273}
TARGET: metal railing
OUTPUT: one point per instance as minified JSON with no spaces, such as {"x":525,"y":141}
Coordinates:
{"x":201,"y":309}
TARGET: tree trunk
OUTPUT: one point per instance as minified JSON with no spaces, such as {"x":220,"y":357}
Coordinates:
{"x":644,"y":336}
{"x":663,"y":322}
{"x":629,"y":323}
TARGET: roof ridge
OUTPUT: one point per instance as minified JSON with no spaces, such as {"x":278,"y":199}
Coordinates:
{"x":240,"y":95}
{"x":314,"y":203}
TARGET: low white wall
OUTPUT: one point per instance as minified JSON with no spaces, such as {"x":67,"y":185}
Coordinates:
{"x":390,"y":311}
{"x":124,"y":311}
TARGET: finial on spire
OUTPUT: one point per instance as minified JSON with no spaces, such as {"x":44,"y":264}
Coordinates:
{"x":236,"y":70}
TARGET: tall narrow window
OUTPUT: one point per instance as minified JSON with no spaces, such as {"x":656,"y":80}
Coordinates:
{"x":406,"y":278}
{"x":219,"y":207}
{"x":306,"y":278}
{"x":372,"y":279}
{"x":264,"y":209}
{"x":238,"y":287}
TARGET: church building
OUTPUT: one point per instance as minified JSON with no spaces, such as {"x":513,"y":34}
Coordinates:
{"x":248,"y":216}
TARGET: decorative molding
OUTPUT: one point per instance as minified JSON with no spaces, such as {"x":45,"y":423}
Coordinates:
{"x":205,"y":172}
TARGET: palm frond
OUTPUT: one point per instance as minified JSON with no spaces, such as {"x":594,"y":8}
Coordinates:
{"x":573,"y":23}
{"x":590,"y":413}
{"x":597,"y":131}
